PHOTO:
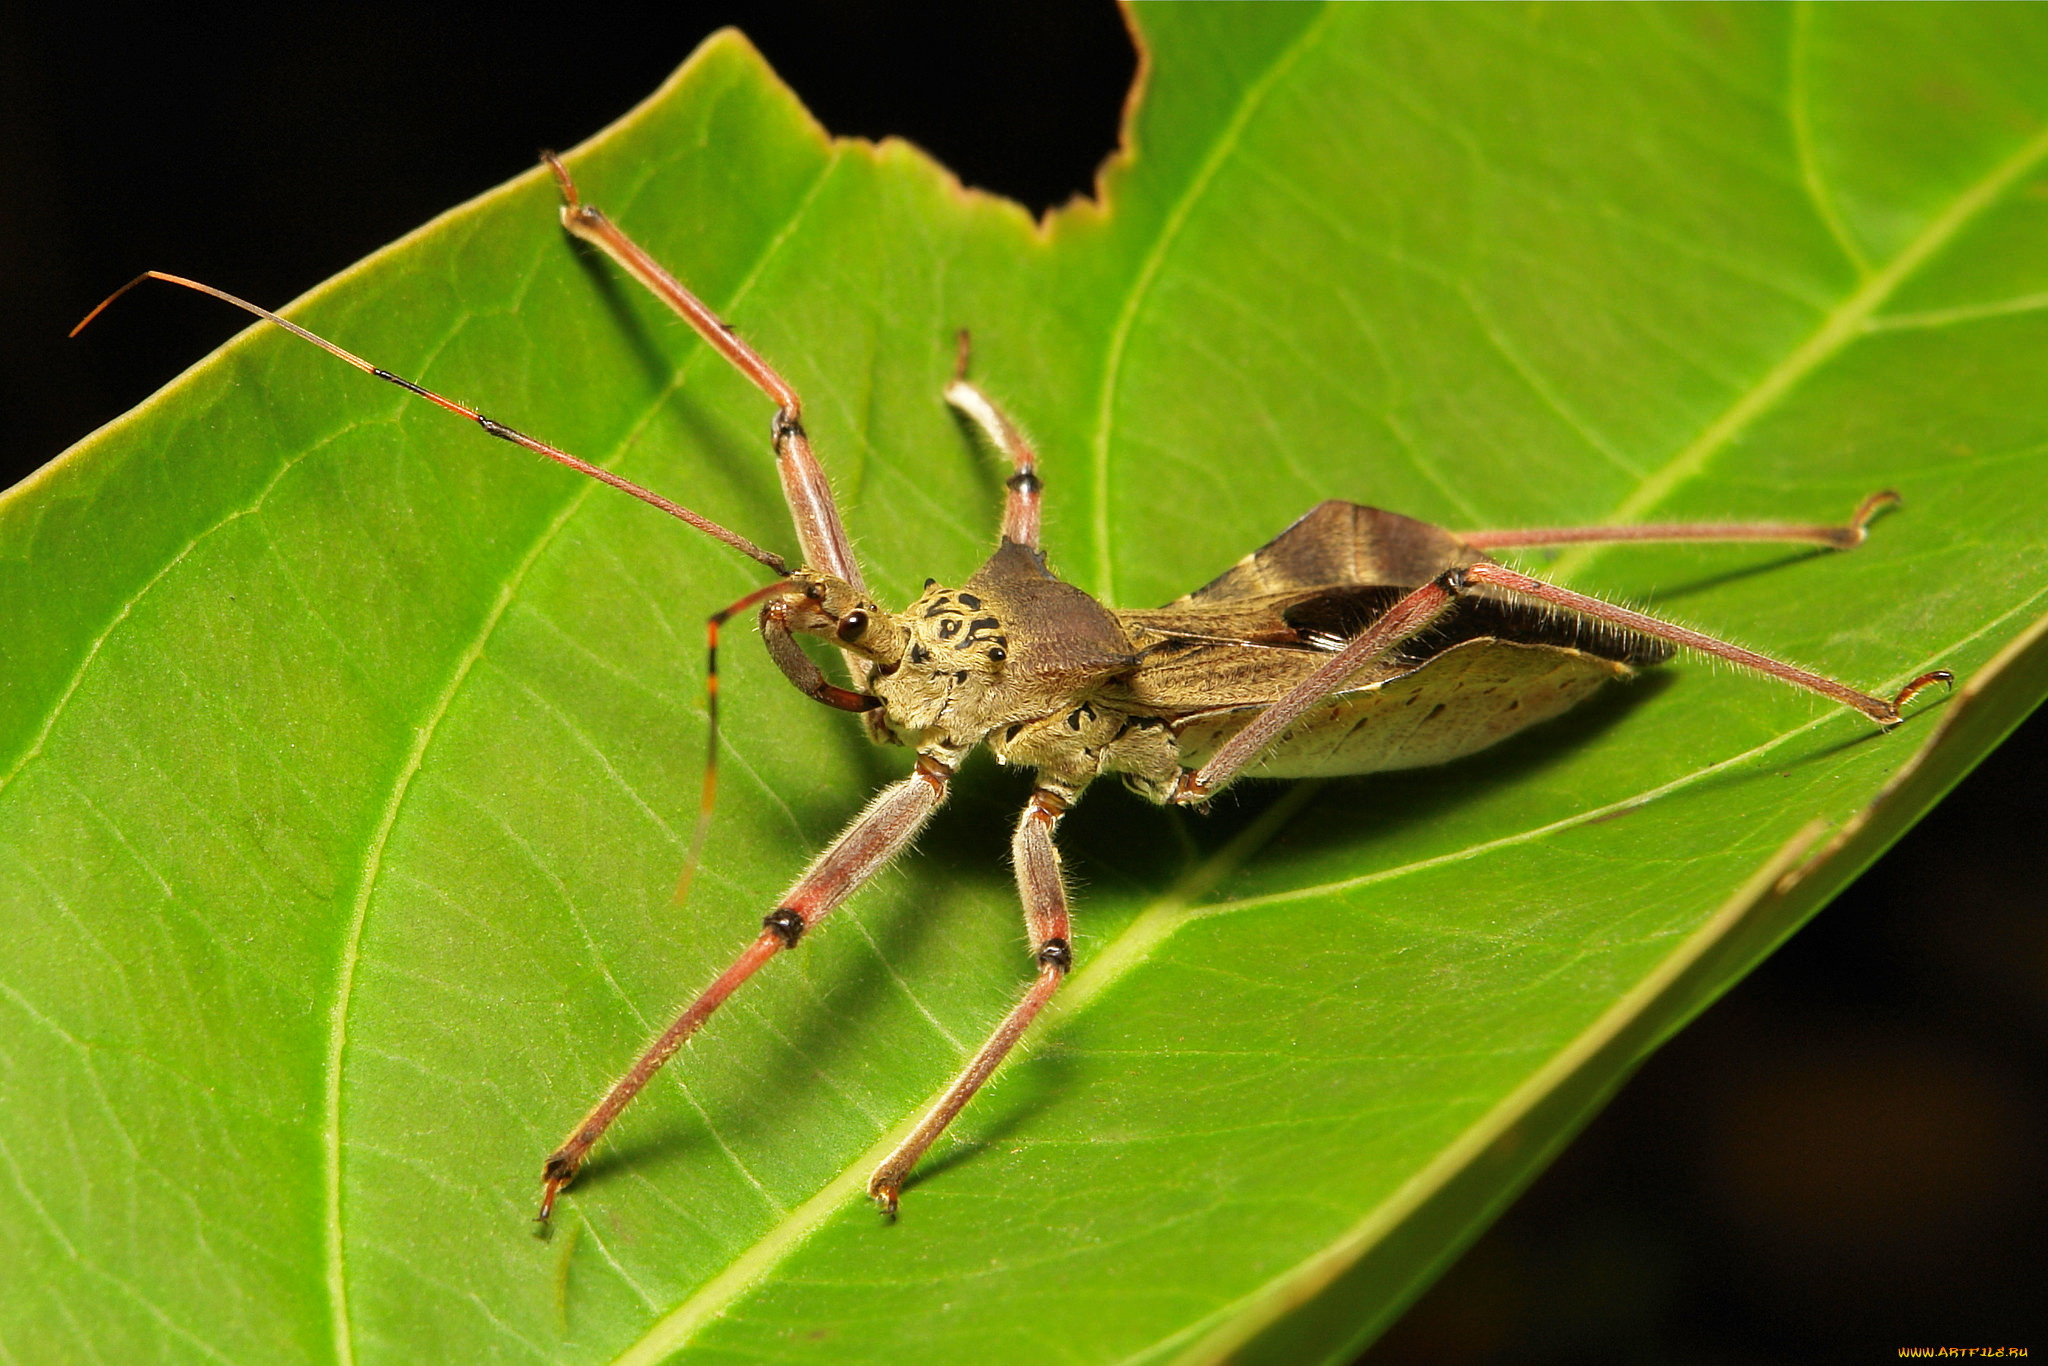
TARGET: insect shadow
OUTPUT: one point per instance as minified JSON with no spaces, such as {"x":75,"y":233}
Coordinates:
{"x":748,"y":481}
{"x":657,"y":369}
{"x":1707,"y":583}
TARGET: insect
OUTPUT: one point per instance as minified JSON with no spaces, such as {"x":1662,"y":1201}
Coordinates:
{"x":1356,"y":641}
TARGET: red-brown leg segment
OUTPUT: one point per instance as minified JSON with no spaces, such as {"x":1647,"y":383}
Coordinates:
{"x":819,"y":529}
{"x":875,"y":838}
{"x":1415,"y":611}
{"x":1885,"y":713}
{"x":1043,"y":889}
{"x":1850,"y":533}
{"x":1020,"y":506}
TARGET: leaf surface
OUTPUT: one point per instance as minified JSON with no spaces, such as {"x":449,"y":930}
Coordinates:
{"x":346,"y":758}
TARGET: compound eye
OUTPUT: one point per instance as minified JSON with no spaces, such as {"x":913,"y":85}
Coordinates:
{"x":853,"y":625}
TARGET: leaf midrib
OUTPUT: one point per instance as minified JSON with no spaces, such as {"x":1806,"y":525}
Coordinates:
{"x":1842,"y":325}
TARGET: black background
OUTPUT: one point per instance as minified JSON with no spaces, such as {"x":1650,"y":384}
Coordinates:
{"x":1845,"y":1155}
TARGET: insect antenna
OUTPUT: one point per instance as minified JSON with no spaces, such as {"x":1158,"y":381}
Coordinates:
{"x":710,"y":794}
{"x":494,"y":428}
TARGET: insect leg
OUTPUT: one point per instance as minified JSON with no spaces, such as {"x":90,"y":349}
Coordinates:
{"x":876,"y":836}
{"x":1843,"y":537}
{"x":1020,"y":505}
{"x":796,"y":666}
{"x":816,"y":516}
{"x":1043,"y":890}
{"x":1405,"y":618}
{"x":1885,"y":713}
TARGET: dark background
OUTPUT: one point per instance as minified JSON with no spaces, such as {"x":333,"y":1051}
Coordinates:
{"x":1845,"y":1155}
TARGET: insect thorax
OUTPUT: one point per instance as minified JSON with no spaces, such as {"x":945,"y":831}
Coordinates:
{"x":1014,"y":657}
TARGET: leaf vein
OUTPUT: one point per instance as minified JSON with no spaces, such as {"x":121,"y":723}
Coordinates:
{"x":1842,"y":326}
{"x":1799,"y":106}
{"x":1154,"y":260}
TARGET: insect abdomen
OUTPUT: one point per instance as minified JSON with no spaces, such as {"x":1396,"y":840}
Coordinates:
{"x":1464,"y":699}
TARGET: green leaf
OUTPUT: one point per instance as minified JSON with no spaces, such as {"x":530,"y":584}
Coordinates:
{"x":346,"y":758}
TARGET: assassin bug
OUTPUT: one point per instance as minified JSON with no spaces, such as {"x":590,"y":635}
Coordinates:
{"x":1355,"y":641}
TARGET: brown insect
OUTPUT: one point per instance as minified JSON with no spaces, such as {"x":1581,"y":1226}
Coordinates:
{"x":1355,"y":641}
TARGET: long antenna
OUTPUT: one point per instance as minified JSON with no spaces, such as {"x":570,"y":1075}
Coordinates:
{"x":494,"y":428}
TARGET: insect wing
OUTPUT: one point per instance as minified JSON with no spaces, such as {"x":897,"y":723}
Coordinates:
{"x":1336,"y":542}
{"x":1470,"y":696}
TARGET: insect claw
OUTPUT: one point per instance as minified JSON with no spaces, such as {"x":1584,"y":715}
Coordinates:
{"x":572,"y":202}
{"x":1859,"y":521}
{"x":1926,"y":680}
{"x":556,"y":1173}
{"x":884,"y":1195}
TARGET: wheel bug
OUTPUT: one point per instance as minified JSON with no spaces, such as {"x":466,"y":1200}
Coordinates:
{"x":1356,"y":641}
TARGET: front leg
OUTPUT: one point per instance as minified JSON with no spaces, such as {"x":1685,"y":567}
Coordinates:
{"x":812,"y":510}
{"x":1043,"y":888}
